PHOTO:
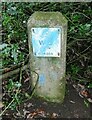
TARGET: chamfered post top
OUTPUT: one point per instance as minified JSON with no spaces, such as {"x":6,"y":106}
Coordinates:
{"x":47,"y":18}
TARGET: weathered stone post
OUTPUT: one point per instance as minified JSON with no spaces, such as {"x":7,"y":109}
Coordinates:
{"x":47,"y":32}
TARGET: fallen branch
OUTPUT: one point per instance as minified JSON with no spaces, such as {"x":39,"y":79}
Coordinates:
{"x":5,"y":70}
{"x":8,"y":74}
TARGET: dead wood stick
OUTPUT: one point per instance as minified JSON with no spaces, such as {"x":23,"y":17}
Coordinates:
{"x":8,"y":74}
{"x":5,"y":70}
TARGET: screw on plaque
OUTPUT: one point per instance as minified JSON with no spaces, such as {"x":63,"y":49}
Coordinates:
{"x":58,"y":29}
{"x":33,"y":30}
{"x":58,"y":54}
{"x":35,"y":53}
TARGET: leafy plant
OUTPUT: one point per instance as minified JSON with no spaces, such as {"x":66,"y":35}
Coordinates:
{"x":15,"y":46}
{"x":13,"y":89}
{"x":86,"y":103}
{"x":90,"y":85}
{"x":74,"y":69}
{"x":11,"y":55}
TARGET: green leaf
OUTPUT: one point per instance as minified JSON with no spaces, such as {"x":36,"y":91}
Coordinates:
{"x":17,"y":84}
{"x":76,"y":17}
{"x":74,"y":69}
{"x":3,"y":46}
{"x":90,"y":85}
{"x":86,"y":103}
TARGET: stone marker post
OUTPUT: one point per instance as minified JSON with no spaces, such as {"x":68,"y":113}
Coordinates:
{"x":47,"y":32}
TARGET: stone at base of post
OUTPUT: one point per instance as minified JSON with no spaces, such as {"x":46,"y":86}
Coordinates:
{"x":60,"y":94}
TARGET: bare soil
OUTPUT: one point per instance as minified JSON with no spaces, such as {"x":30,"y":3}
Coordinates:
{"x":72,"y":107}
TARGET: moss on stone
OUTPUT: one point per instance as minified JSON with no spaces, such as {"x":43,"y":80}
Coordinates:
{"x":57,"y":16}
{"x":54,"y":89}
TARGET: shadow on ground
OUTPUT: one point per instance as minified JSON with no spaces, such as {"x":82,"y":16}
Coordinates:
{"x":72,"y":107}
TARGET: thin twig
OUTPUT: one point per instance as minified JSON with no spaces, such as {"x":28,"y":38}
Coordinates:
{"x":9,"y":74}
{"x":82,"y":14}
{"x":76,"y":39}
{"x":6,"y":108}
{"x":17,"y":91}
{"x":73,"y":60}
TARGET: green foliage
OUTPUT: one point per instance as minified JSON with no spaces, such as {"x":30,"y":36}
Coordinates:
{"x":15,"y":33}
{"x":13,"y":89}
{"x":13,"y":24}
{"x":86,"y":103}
{"x":12,"y":86}
{"x":11,"y":55}
{"x":79,"y":41}
{"x":74,"y":69}
{"x":90,"y":85}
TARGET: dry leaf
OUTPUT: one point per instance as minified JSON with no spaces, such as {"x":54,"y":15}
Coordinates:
{"x":54,"y":115}
{"x":1,"y":104}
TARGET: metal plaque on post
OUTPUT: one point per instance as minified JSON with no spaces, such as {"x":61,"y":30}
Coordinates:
{"x":46,"y":42}
{"x":47,"y":35}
